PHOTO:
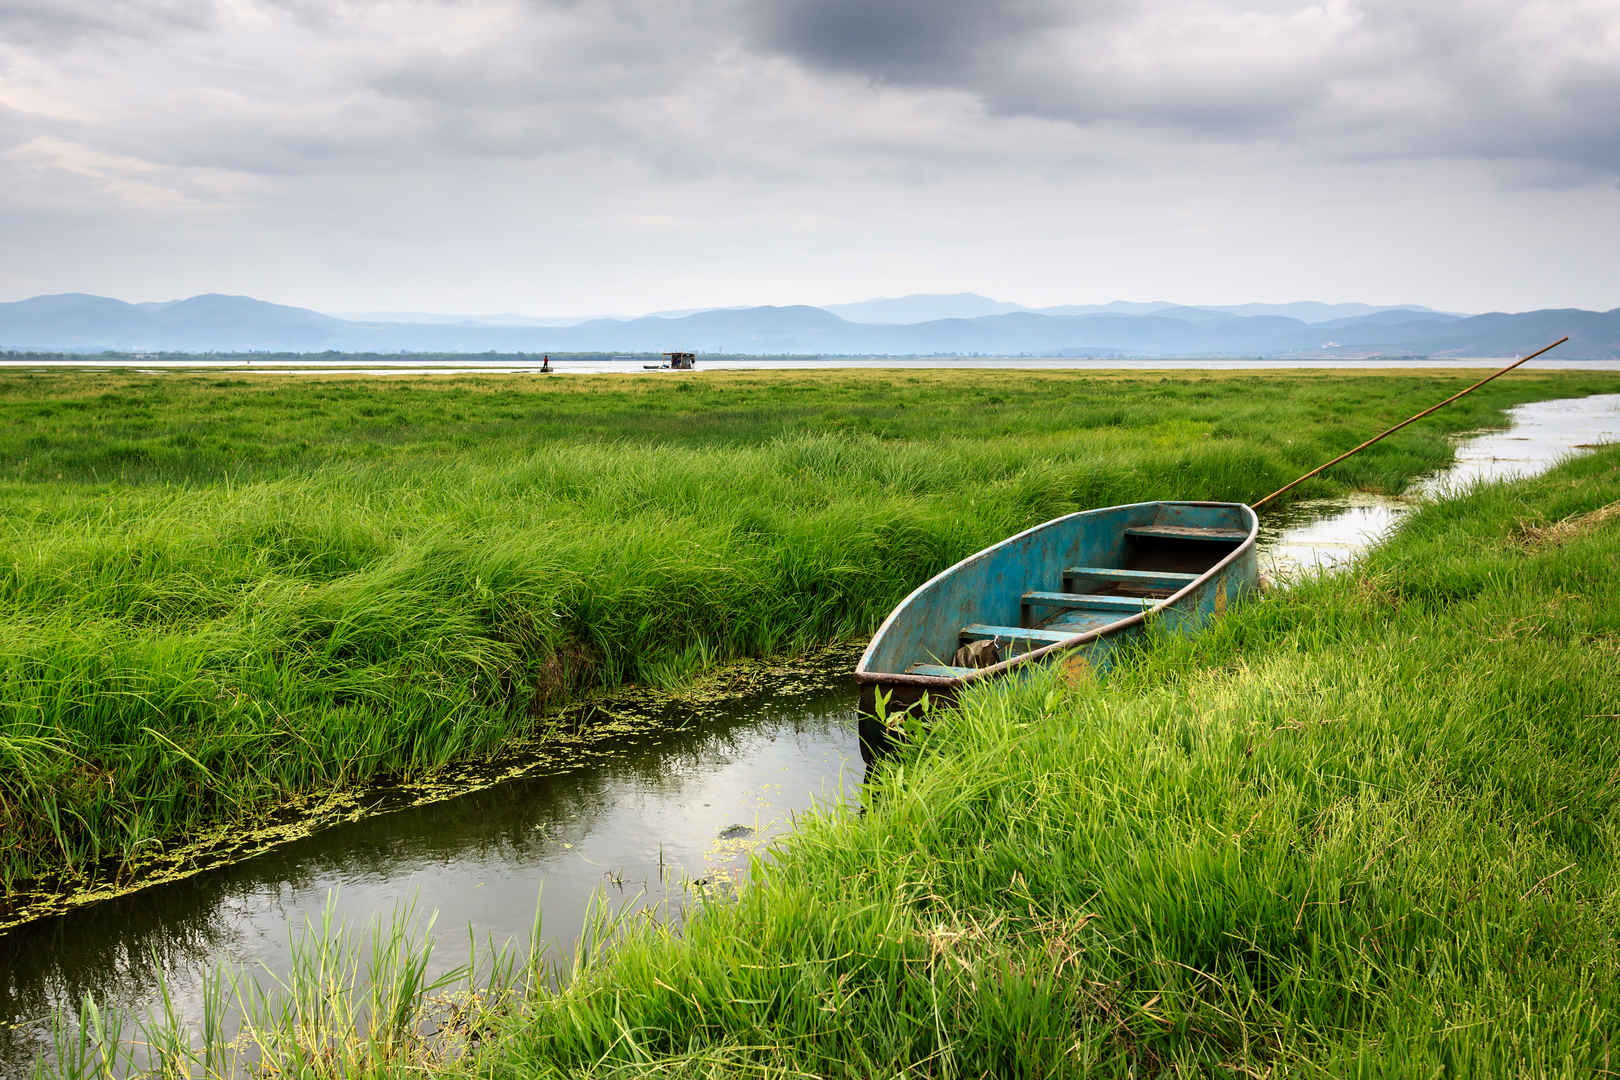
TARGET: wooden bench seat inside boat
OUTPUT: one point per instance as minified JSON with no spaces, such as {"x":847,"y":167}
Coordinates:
{"x":1019,"y":639}
{"x":1071,"y":621}
{"x":1187,"y":532}
{"x":1095,"y":578}
{"x":939,"y":671}
{"x":1087,"y":601}
{"x":1181,"y":549}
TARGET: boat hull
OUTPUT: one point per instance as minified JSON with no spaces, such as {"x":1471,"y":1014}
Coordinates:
{"x":1178,"y":564}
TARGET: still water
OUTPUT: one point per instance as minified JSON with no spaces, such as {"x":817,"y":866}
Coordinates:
{"x":669,"y":812}
{"x":684,"y":801}
{"x":1327,"y":533}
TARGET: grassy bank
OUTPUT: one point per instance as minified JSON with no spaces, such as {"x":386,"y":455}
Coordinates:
{"x":1366,"y":827}
{"x":217,"y":592}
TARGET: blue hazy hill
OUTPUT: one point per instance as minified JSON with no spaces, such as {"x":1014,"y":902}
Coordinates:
{"x":218,"y":323}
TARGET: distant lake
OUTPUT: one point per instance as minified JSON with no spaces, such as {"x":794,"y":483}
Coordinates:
{"x":471,"y":366}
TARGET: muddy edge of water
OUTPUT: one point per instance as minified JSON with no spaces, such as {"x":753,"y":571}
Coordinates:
{"x":573,"y":736}
{"x":659,"y":818}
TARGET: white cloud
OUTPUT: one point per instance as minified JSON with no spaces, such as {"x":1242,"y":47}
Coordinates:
{"x":706,"y":151}
{"x":41,"y":164}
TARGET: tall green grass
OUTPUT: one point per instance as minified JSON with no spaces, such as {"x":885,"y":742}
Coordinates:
{"x":1363,"y":827}
{"x":215,"y":594}
{"x":1369,"y":826}
{"x":354,"y":1002}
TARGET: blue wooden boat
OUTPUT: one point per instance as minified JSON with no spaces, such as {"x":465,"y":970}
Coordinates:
{"x":1069,"y":590}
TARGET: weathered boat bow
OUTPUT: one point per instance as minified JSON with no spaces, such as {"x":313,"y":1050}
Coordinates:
{"x":1075,"y":586}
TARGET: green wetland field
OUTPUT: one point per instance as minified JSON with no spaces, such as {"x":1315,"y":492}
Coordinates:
{"x":218,"y":593}
{"x":1367,"y":825}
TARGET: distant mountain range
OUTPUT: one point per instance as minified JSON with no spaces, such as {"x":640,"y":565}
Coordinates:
{"x":945,"y":325}
{"x":926,"y":307}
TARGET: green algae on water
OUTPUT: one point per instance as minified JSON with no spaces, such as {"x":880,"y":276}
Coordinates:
{"x":592,"y":729}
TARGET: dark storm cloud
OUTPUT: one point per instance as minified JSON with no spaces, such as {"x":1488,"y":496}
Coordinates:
{"x":1372,"y":79}
{"x":927,"y":41}
{"x":1032,"y":57}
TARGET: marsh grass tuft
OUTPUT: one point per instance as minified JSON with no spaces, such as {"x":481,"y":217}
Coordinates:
{"x":352,"y":1003}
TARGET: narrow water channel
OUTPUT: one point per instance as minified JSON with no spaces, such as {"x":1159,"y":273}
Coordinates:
{"x":1326,"y":533}
{"x":685,"y":802}
{"x":682,"y":802}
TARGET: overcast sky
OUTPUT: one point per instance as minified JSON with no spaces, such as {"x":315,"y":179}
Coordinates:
{"x":578,"y":157}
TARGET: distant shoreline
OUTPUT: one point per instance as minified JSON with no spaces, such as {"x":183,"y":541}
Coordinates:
{"x":483,"y":364}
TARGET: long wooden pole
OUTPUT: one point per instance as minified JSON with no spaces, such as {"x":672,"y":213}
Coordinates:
{"x":1408,"y":420}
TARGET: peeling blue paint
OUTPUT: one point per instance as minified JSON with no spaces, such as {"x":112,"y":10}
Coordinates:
{"x":1081,"y":582}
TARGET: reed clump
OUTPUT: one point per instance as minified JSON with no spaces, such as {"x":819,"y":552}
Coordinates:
{"x":353,"y":1002}
{"x":216,"y":594}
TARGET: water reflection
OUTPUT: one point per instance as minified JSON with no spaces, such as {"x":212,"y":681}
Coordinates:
{"x":1327,"y":533}
{"x":638,"y":824}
